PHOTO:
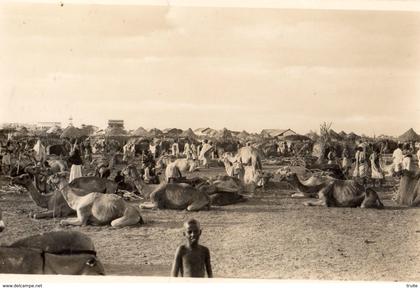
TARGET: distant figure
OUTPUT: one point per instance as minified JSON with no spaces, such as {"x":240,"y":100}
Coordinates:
{"x":187,"y":150}
{"x":88,"y":151}
{"x":192,"y":259}
{"x":346,"y":163}
{"x":408,"y":161}
{"x":76,"y":168}
{"x":360,"y":170}
{"x":126,"y":151}
{"x":6,"y":162}
{"x":40,"y":152}
{"x":172,"y":172}
{"x":205,"y":153}
{"x":375,"y":160}
{"x":418,"y":157}
{"x":175,"y":149}
{"x":331,"y":156}
{"x":193,"y":151}
{"x":397,"y":157}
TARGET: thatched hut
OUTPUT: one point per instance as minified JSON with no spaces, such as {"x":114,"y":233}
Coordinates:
{"x":409,"y":136}
{"x":71,"y":132}
{"x":140,"y":132}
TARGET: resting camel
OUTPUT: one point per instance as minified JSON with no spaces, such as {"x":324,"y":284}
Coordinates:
{"x":305,"y":188}
{"x":409,"y":189}
{"x":183,"y":164}
{"x":57,"y":165}
{"x":346,"y":193}
{"x":96,"y":208}
{"x":60,"y":252}
{"x":169,"y":195}
{"x":232,"y":165}
{"x":224,"y":190}
{"x":247,"y":166}
{"x":54,"y":201}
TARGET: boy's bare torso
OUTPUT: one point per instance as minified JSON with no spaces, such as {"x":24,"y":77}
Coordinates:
{"x":194,"y":260}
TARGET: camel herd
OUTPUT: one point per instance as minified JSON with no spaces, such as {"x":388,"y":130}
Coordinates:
{"x":94,"y":200}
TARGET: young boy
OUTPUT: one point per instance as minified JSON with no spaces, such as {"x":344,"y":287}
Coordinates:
{"x":192,"y":260}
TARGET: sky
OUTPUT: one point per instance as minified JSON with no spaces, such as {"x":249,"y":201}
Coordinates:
{"x":240,"y":68}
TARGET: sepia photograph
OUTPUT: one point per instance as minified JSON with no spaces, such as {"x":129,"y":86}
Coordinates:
{"x":256,"y":140}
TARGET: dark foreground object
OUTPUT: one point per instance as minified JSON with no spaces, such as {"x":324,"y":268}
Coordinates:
{"x":60,"y":252}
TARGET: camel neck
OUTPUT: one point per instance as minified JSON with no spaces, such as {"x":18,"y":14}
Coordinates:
{"x":297,"y":184}
{"x":39,"y":199}
{"x":70,"y":197}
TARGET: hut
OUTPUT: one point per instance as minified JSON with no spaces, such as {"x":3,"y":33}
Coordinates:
{"x":188,"y":134}
{"x":140,"y":132}
{"x":409,"y":136}
{"x":71,"y":132}
{"x":155,"y":133}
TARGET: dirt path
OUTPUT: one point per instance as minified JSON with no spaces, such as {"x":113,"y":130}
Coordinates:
{"x":270,"y":236}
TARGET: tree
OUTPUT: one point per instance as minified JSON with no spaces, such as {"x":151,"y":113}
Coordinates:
{"x":324,"y":140}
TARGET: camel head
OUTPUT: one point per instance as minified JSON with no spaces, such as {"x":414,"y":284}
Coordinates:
{"x":58,"y":179}
{"x":371,"y":200}
{"x":22,"y":180}
{"x":131,"y":172}
{"x":264,"y":178}
{"x":162,"y":162}
{"x":285,"y":173}
{"x":2,"y":226}
{"x":32,"y":170}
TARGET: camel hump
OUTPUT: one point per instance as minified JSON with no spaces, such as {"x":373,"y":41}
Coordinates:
{"x":58,"y":242}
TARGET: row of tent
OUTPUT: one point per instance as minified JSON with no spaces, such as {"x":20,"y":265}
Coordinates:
{"x":287,"y":134}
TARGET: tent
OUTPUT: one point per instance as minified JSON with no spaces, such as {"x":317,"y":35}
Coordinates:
{"x":296,"y":137}
{"x":243,"y":134}
{"x":334,"y":135}
{"x":352,"y":136}
{"x":409,"y":136}
{"x":54,"y":130}
{"x":224,"y":135}
{"x":172,"y":132}
{"x":71,"y":132}
{"x":140,"y":132}
{"x":115,"y":132}
{"x":189,"y":133}
{"x":154,"y":132}
{"x":88,"y":130}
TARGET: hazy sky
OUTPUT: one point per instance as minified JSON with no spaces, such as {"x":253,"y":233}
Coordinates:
{"x":240,"y":68}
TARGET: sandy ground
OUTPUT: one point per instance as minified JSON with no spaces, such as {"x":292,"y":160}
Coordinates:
{"x":270,"y":236}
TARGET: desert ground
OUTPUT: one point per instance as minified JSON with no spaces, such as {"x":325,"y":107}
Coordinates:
{"x":269,"y":236}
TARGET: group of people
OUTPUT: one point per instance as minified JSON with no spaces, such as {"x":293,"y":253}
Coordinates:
{"x":368,"y":162}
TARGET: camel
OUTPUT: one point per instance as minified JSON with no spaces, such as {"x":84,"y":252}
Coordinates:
{"x":183,"y":164}
{"x":99,"y":209}
{"x":224,"y":190}
{"x":346,"y":193}
{"x":57,"y":165}
{"x":232,"y":166}
{"x":247,"y":166}
{"x":409,"y":189}
{"x":306,"y":188}
{"x":95,"y":184}
{"x":54,"y":201}
{"x":169,"y":195}
{"x":59,"y":252}
{"x":96,"y":208}
{"x":2,"y":226}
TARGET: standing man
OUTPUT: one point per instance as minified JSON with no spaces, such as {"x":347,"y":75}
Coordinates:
{"x":397,"y":157}
{"x":205,"y":153}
